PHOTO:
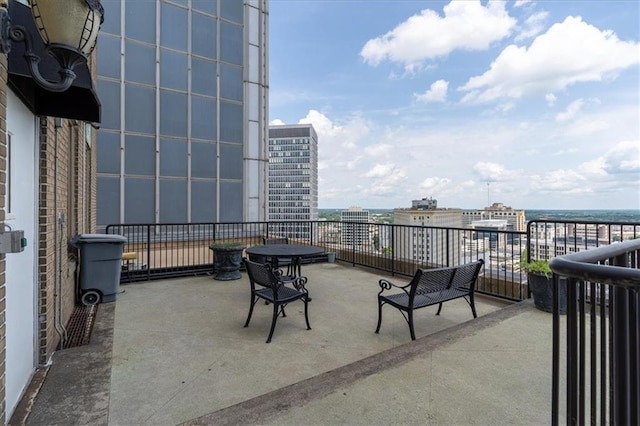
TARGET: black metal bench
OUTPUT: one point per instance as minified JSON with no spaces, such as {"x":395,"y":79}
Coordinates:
{"x":429,"y":287}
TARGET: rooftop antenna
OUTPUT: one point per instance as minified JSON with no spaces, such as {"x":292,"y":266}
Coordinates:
{"x":489,"y":196}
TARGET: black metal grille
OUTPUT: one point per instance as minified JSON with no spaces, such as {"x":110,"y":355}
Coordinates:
{"x":80,"y":326}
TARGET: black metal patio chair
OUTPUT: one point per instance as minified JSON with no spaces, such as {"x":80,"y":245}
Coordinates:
{"x":269,"y":287}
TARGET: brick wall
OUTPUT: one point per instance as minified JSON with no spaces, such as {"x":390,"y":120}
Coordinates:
{"x":66,"y":194}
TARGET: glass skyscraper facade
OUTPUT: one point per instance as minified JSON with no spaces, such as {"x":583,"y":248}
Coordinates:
{"x":293,"y":178}
{"x":183,"y":86}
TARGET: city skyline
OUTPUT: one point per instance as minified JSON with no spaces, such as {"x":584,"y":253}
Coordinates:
{"x":540,"y":100}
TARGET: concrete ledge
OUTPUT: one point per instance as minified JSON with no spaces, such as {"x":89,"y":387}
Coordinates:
{"x":77,"y":386}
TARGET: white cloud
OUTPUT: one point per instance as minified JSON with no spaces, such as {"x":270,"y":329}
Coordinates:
{"x":433,"y":185}
{"x":572,"y":110}
{"x":520,"y":3}
{"x":492,"y":171}
{"x":551,"y":99}
{"x":466,"y":25}
{"x":436,"y":93}
{"x":623,"y":158}
{"x":532,"y":26}
{"x":569,"y":52}
{"x":560,"y":181}
{"x":276,"y":122}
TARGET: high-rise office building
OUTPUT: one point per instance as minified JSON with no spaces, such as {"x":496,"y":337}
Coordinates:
{"x":183,"y":86}
{"x":355,"y":233}
{"x":497,"y":211}
{"x":293,"y":178}
{"x":432,"y":246}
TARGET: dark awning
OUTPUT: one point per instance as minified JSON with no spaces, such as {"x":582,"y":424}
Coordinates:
{"x":79,"y":102}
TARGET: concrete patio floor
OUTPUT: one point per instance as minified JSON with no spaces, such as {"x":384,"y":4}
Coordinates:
{"x":175,"y":351}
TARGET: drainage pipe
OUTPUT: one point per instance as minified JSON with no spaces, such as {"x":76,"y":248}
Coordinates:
{"x":57,"y":258}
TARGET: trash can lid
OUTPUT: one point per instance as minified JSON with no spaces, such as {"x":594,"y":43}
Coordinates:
{"x":97,"y":238}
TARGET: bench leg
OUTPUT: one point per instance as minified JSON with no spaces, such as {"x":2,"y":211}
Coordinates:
{"x":379,"y":316}
{"x":473,"y":305}
{"x":439,"y":309}
{"x":410,"y":316}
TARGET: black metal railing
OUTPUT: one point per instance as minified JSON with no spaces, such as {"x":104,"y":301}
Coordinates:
{"x":181,"y":249}
{"x":602,"y":365}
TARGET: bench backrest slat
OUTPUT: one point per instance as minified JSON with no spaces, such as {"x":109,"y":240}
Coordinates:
{"x":433,"y":280}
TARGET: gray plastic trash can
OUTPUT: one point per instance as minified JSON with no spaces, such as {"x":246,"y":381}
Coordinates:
{"x":100,"y":266}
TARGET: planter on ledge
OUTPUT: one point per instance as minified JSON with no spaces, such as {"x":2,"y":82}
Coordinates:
{"x":541,"y":288}
{"x":227,"y":260}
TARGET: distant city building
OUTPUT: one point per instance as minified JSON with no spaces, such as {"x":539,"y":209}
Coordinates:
{"x":434,"y":247}
{"x":352,"y":233}
{"x":488,"y":232}
{"x":516,"y":220}
{"x":293,"y":178}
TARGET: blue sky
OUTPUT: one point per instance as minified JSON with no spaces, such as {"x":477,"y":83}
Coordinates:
{"x":415,"y":99}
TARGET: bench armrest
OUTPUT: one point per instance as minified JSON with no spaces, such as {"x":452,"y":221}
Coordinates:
{"x":388,"y":285}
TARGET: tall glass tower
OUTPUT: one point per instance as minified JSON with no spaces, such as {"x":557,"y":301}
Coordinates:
{"x":293,"y":178}
{"x":184,"y":117}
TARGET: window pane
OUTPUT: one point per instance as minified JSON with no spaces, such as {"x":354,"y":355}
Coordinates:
{"x":231,"y":167}
{"x":173,"y":21}
{"x":231,"y":122}
{"x":109,"y":94}
{"x":173,"y":113}
{"x":108,"y":152}
{"x":231,"y":199}
{"x":139,"y":155}
{"x":173,"y":70}
{"x":203,"y":160}
{"x":108,"y":200}
{"x":203,"y":76}
{"x":230,"y":43}
{"x":111,"y":22}
{"x":173,"y":201}
{"x":108,"y":56}
{"x":231,"y":82}
{"x":139,"y":200}
{"x":140,"y":63}
{"x":231,"y":10}
{"x":140,"y":108}
{"x":140,"y":22}
{"x":203,"y":118}
{"x":203,"y":201}
{"x":173,"y":157}
{"x":204,"y":36}
{"x":208,"y":6}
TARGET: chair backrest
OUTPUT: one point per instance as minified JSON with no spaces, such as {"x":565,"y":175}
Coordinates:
{"x":284,"y":240}
{"x":438,"y":279}
{"x":260,"y":274}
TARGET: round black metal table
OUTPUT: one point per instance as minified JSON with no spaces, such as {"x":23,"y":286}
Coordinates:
{"x":294,"y":251}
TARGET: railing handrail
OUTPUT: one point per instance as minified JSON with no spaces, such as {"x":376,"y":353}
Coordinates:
{"x":584,"y":265}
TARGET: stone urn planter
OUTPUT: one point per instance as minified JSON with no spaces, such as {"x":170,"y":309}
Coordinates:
{"x":227,"y":260}
{"x":540,"y":281}
{"x":541,"y":287}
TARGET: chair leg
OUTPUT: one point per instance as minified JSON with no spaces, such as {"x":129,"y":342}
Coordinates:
{"x":473,"y":305}
{"x":306,"y":312}
{"x":379,"y":316}
{"x":410,"y":315}
{"x":439,"y":309}
{"x":273,"y":321}
{"x":253,"y":302}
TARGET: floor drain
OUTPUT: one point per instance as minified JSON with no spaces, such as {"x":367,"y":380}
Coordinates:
{"x":80,"y":326}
